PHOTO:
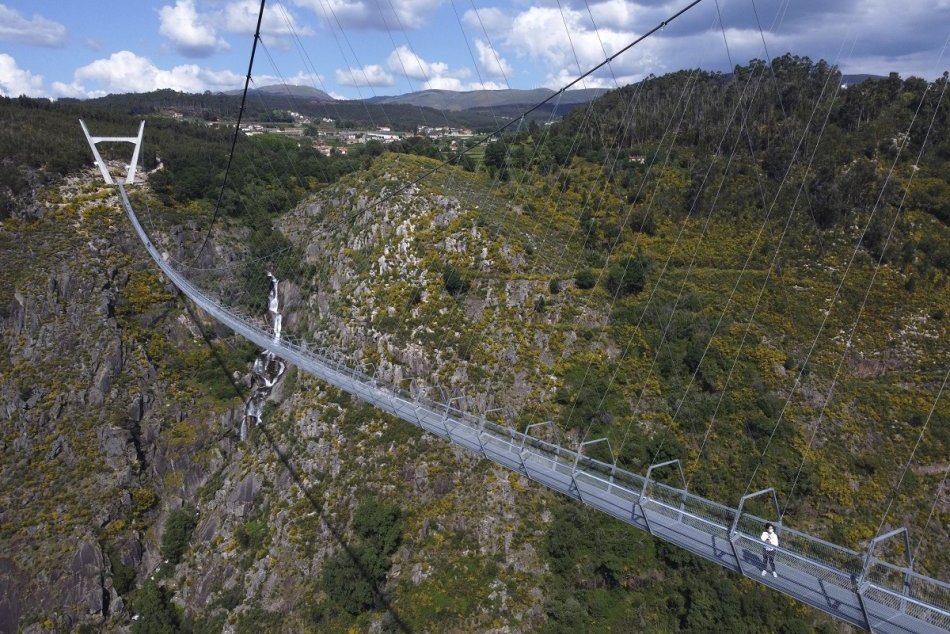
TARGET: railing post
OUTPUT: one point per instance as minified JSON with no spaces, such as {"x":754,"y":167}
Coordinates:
{"x":478,"y":435}
{"x":734,"y":530}
{"x":375,"y":381}
{"x":481,"y":445}
{"x":445,"y":413}
{"x":492,"y":410}
{"x":577,"y":457}
{"x":646,"y":483}
{"x":391,"y":392}
{"x":526,"y":435}
{"x":414,"y":395}
{"x":864,"y":582}
{"x":527,"y":430}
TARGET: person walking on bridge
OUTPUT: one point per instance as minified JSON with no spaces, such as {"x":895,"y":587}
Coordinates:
{"x":768,"y":552}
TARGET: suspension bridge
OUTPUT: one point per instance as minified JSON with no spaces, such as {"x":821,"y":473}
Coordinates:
{"x":859,"y":588}
{"x":864,"y":588}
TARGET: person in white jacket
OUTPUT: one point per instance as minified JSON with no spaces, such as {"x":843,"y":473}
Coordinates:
{"x":770,"y":538}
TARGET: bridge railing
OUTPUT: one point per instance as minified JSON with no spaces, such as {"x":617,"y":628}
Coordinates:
{"x":893,"y":591}
{"x":903,"y":590}
{"x":678,"y":504}
{"x":803,"y":552}
{"x":923,"y":598}
{"x":805,"y":544}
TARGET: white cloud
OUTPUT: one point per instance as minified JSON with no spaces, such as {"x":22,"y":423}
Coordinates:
{"x":492,"y":20}
{"x":573,"y":43}
{"x":306,"y":79}
{"x":372,"y":14}
{"x":434,"y":75}
{"x":127,"y":72}
{"x":406,"y":63}
{"x":73,"y":89}
{"x":403,"y":63}
{"x":456,"y":84}
{"x":299,"y":79}
{"x":619,"y":14}
{"x":16,"y":81}
{"x":372,"y":75}
{"x":445,"y":83}
{"x":241,"y":16}
{"x":490,"y":61}
{"x":278,"y":21}
{"x":555,"y":48}
{"x":38,"y":31}
{"x":195,"y":33}
{"x":190,"y":33}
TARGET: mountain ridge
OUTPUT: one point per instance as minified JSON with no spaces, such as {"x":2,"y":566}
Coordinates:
{"x":458,"y":100}
{"x":463,"y":100}
{"x":451,"y":100}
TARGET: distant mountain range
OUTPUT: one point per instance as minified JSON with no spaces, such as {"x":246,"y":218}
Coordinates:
{"x":456,"y":101}
{"x":444,"y":99}
{"x":452,"y":100}
{"x":287,"y":90}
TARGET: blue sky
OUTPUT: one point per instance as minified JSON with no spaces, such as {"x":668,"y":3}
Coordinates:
{"x":362,"y":48}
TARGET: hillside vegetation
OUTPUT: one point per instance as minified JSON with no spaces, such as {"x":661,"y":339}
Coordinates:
{"x":648,"y":271}
{"x":702,"y":304}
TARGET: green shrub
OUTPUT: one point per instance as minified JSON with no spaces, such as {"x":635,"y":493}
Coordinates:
{"x":352,"y":576}
{"x":643,"y":222}
{"x":251,"y":535}
{"x":585,"y":279}
{"x":123,"y":575}
{"x":157,"y":614}
{"x":178,"y":530}
{"x":455,"y":280}
{"x":346,"y":582}
{"x":380,"y":524}
{"x":627,"y":275}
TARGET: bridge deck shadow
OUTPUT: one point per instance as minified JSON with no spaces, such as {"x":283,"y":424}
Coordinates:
{"x":379,"y":596}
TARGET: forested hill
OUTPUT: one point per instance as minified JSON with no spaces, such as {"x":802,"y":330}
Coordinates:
{"x":399,"y":113}
{"x":41,"y":142}
{"x":260,"y":105}
{"x":787,"y":110}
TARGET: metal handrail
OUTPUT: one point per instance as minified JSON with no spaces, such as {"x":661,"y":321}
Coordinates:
{"x":910,"y":599}
{"x":796,"y":555}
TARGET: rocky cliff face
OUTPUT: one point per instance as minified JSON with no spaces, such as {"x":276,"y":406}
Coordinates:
{"x":121,"y":410}
{"x":102,"y":437}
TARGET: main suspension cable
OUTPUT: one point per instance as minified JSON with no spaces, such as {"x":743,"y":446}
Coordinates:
{"x":237,"y":131}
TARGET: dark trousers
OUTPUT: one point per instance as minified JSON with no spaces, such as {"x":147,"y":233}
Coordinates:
{"x":769,"y":557}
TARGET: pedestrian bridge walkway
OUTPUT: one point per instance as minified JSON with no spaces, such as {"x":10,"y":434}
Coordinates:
{"x":852,"y":586}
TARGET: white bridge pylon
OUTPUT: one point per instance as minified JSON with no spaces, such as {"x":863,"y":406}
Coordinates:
{"x":103,"y":168}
